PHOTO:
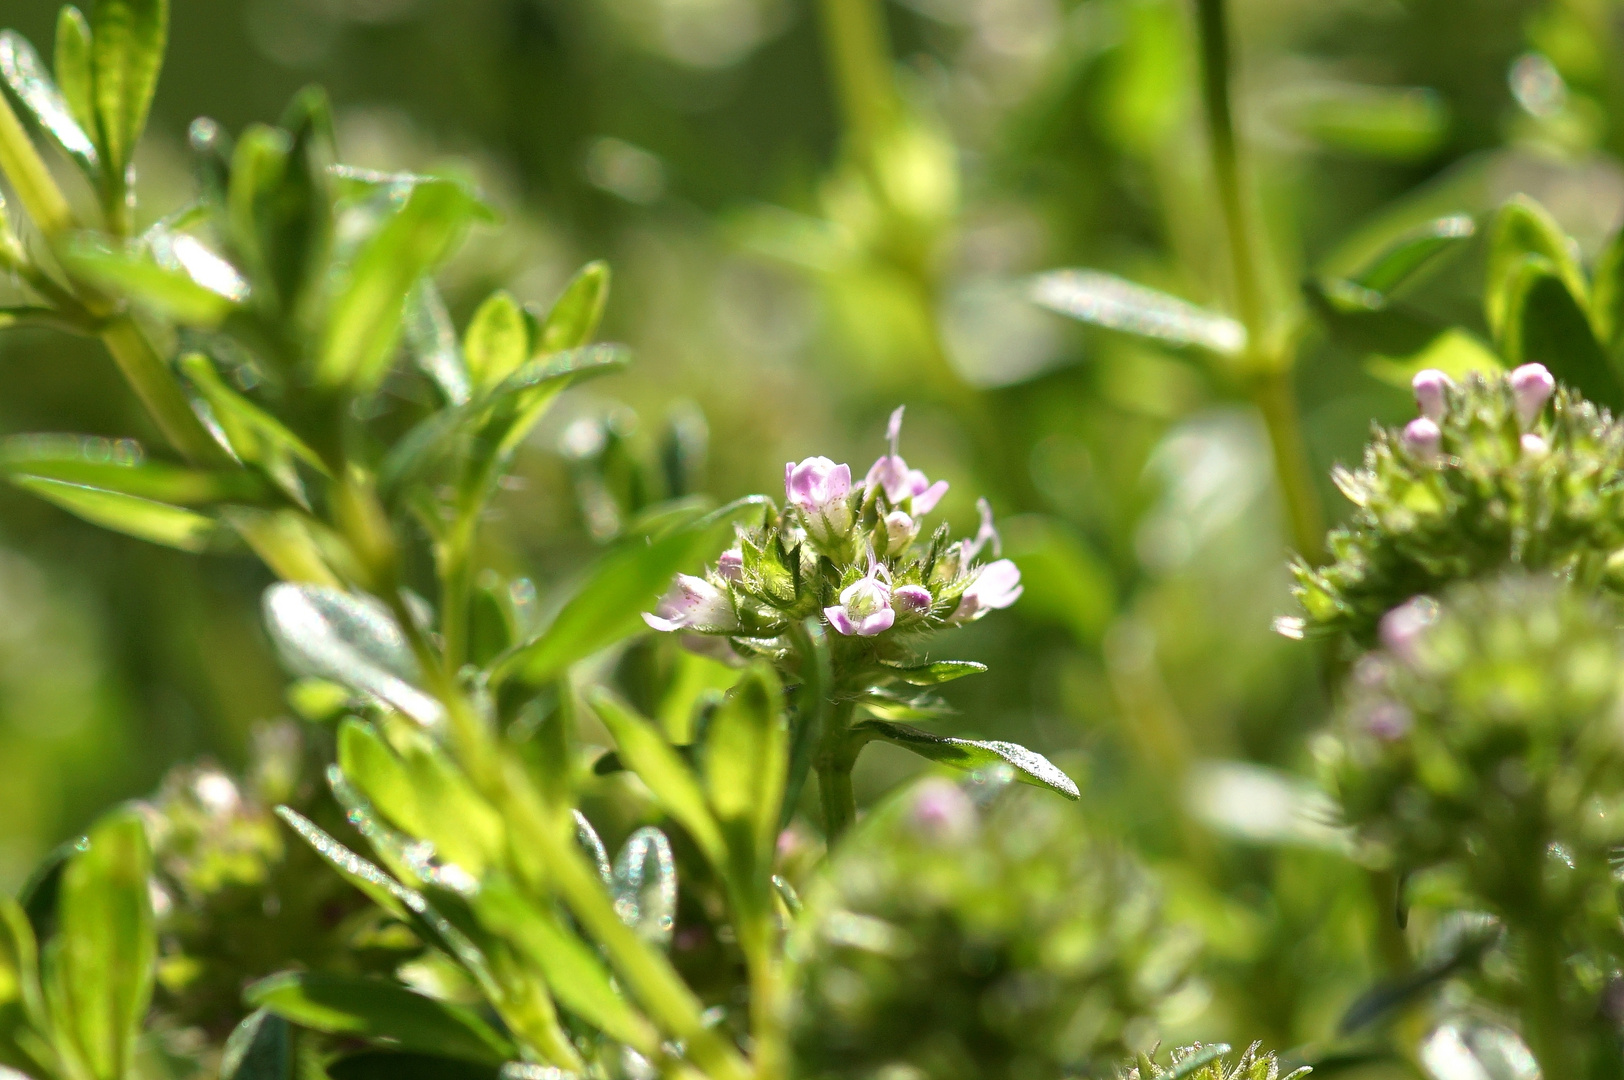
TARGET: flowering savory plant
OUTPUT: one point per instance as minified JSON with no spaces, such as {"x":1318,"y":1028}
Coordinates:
{"x":851,"y":559}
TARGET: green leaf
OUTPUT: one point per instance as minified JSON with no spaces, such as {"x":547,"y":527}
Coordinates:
{"x":380,"y":1010}
{"x":132,"y":271}
{"x":463,"y":826}
{"x":1067,"y":581}
{"x":1188,"y":1065}
{"x":366,"y":315}
{"x":366,"y":876}
{"x":575,"y":314}
{"x":939,"y":672}
{"x":524,"y":395}
{"x":1030,"y":767}
{"x":368,"y":762}
{"x":432,"y":341}
{"x":1607,"y":295}
{"x":1106,"y":300}
{"x":353,"y":640}
{"x":571,"y":968}
{"x":383,"y":1065}
{"x":96,"y":463}
{"x":72,"y":66}
{"x":19,"y":952}
{"x":497,"y":342}
{"x":293,"y":209}
{"x":746,"y":754}
{"x":98,"y":969}
{"x":255,"y":434}
{"x":1522,"y":228}
{"x":811,"y":708}
{"x":1413,"y":251}
{"x":258,"y":1049}
{"x":22,"y":70}
{"x":1544,"y":323}
{"x":1365,"y":321}
{"x":656,"y":762}
{"x":126,"y":54}
{"x":144,"y":519}
{"x":1387,"y":122}
{"x":609,"y":605}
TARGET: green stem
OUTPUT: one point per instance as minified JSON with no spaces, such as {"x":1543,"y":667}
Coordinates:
{"x":768,"y":1054}
{"x":1270,"y":363}
{"x":836,"y":758}
{"x":153,"y":383}
{"x":30,"y":178}
{"x":854,"y":31}
{"x":1543,"y":1016}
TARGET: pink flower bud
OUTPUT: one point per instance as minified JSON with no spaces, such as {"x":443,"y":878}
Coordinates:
{"x":940,"y":812}
{"x":1423,"y":439}
{"x":891,"y":474}
{"x":900,"y":530}
{"x":911,"y":599}
{"x":693,"y":604}
{"x":819,"y":489}
{"x":1403,"y":627}
{"x":1533,"y":446}
{"x":730,"y":564}
{"x":1431,"y":392}
{"x":1531,"y":386}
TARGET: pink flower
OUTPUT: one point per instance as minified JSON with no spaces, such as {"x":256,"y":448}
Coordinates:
{"x":911,"y":599}
{"x":984,"y":535}
{"x":998,"y":585}
{"x":899,"y":482}
{"x":1422,"y":438}
{"x":819,"y":488}
{"x":693,"y":604}
{"x":1402,"y":628}
{"x":730,"y":563}
{"x":1431,"y":392}
{"x":1531,"y":387}
{"x":865,"y":605}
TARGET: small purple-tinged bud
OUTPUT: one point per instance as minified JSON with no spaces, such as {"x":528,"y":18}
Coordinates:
{"x":693,"y":604}
{"x":1403,"y":627}
{"x":911,"y":599}
{"x":1432,"y":392}
{"x":1531,"y":386}
{"x":1533,"y":446}
{"x":900,"y":530}
{"x":998,"y":585}
{"x":1388,"y":721}
{"x":730,"y":564}
{"x":941,"y":813}
{"x":1423,"y":439}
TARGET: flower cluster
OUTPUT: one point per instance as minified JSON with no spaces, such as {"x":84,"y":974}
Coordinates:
{"x":850,"y":554}
{"x":1485,"y":730}
{"x":1498,"y":472}
{"x":962,"y":937}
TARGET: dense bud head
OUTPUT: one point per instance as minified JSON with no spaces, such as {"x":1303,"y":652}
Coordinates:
{"x":1489,"y":495}
{"x":947,"y":942}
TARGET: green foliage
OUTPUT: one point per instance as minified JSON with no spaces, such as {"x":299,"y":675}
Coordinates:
{"x":997,"y":941}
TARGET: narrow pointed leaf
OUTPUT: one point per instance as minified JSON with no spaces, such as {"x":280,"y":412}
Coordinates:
{"x":1362,"y":320}
{"x":1030,"y":767}
{"x":1414,"y":251}
{"x":746,"y":753}
{"x":144,"y":519}
{"x":240,"y":417}
{"x":432,"y":341}
{"x":1544,"y":323}
{"x":91,"y":463}
{"x":365,"y":320}
{"x":366,"y":876}
{"x":574,"y":316}
{"x":939,"y":672}
{"x":371,"y":765}
{"x":497,"y":342}
{"x":658,"y":765}
{"x":1524,"y":228}
{"x":329,"y":634}
{"x":101,"y":963}
{"x":1106,"y":300}
{"x":260,"y":1048}
{"x":644,"y":881}
{"x":379,"y":1010}
{"x":72,"y":66}
{"x":127,"y":52}
{"x":132,"y":272}
{"x":23,"y":72}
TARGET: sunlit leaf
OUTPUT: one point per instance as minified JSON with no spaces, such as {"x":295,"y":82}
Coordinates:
{"x":571,"y":968}
{"x":575,"y":314}
{"x":380,"y":1010}
{"x":1413,"y":251}
{"x":940,"y":671}
{"x":370,"y":763}
{"x":1524,"y":228}
{"x":644,"y":882}
{"x":497,"y":342}
{"x":97,"y":463}
{"x":144,"y":519}
{"x":1365,"y":321}
{"x":1544,"y":323}
{"x":353,"y":640}
{"x":126,"y":54}
{"x":1106,"y":300}
{"x":98,"y":971}
{"x":1392,"y":123}
{"x":645,"y":751}
{"x":133,"y":271}
{"x":366,"y":876}
{"x":432,"y":341}
{"x":746,"y":751}
{"x":258,"y":1049}
{"x":23,"y":72}
{"x":255,"y":433}
{"x":366,"y":315}
{"x":72,"y":66}
{"x":1030,"y":767}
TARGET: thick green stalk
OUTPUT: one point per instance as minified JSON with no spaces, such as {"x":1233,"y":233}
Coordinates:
{"x":30,"y":178}
{"x":836,"y":758}
{"x":153,"y":383}
{"x":1270,"y":369}
{"x":1544,"y":1021}
{"x":861,"y":60}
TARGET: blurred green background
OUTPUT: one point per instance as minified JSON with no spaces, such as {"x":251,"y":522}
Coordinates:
{"x":701,"y":146}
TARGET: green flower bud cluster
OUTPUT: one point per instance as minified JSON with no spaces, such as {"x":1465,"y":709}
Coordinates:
{"x":1486,"y":739}
{"x":235,"y":902}
{"x":1210,"y":1062}
{"x":1477,"y":485}
{"x":953,"y":942}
